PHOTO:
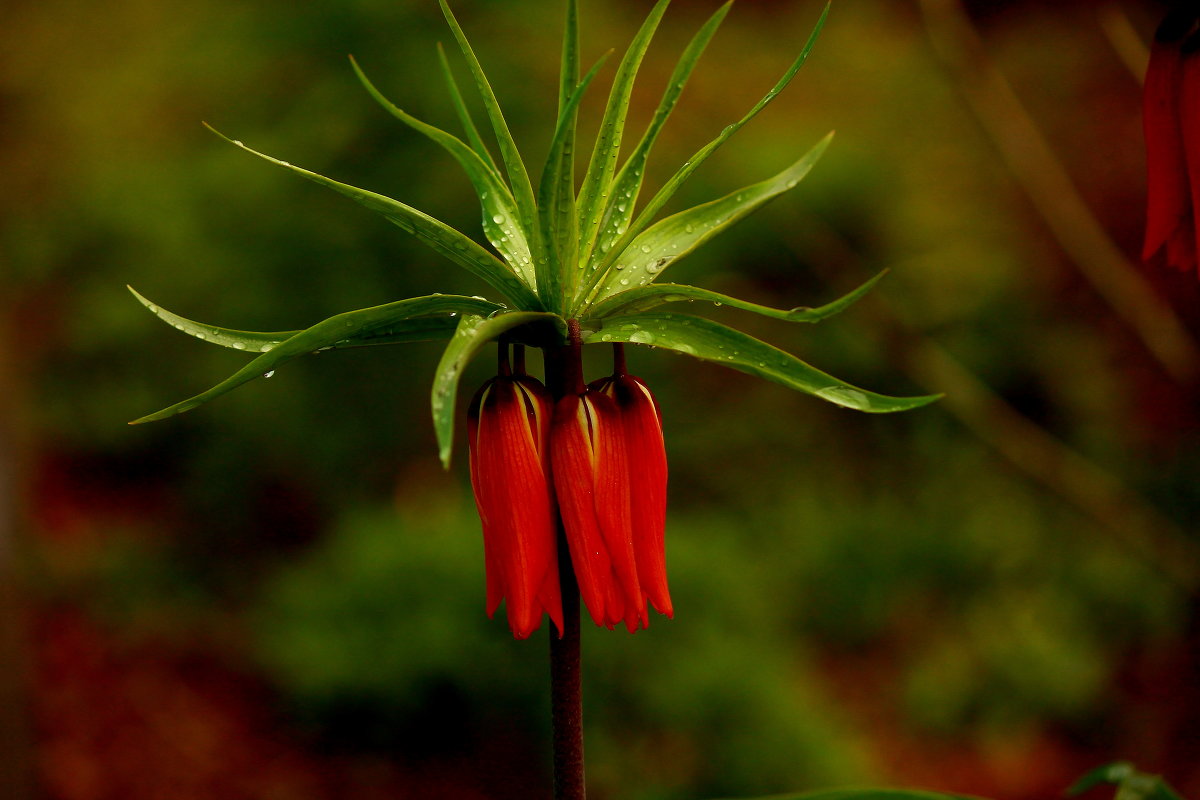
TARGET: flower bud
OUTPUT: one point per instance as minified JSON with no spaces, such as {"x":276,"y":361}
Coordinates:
{"x":1171,"y":122}
{"x":587,"y":448}
{"x":641,"y":428}
{"x":507,"y":433}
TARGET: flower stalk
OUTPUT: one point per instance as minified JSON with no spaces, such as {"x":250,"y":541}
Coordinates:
{"x":564,"y":374}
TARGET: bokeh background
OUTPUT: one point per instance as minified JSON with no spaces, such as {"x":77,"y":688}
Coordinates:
{"x":279,"y":596}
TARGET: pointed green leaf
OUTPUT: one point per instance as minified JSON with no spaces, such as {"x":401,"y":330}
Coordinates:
{"x":250,"y":341}
{"x":644,"y":298}
{"x":464,"y":114}
{"x":569,"y":72}
{"x":618,"y":209}
{"x":518,"y":177}
{"x":1131,"y":784}
{"x":458,"y":247}
{"x":556,"y":199}
{"x":650,"y":254}
{"x":692,"y":164}
{"x":473,"y":332}
{"x":711,"y":341}
{"x":404,"y":320}
{"x":501,"y":222}
{"x":597,"y":181}
{"x":1113,"y":773}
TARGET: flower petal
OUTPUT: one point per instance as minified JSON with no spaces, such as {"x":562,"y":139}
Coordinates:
{"x":1168,"y":202}
{"x":513,"y":495}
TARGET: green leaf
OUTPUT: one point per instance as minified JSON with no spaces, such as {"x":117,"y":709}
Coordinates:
{"x":501,"y":221}
{"x":647,"y":256}
{"x":692,"y":164}
{"x":644,"y":298}
{"x":518,"y":177}
{"x":556,"y":199}
{"x":464,"y":114}
{"x":473,"y":332}
{"x":618,"y":210}
{"x":598,"y":179}
{"x":568,"y":77}
{"x":414,"y":319}
{"x":1112,"y":773}
{"x":865,"y":794}
{"x":251,"y":341}
{"x":1131,"y":784}
{"x":458,"y":247}
{"x":711,"y":341}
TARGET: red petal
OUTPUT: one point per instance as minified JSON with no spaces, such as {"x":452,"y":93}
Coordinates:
{"x":612,"y":479}
{"x":1168,"y":203}
{"x":572,"y":466}
{"x":495,"y":588}
{"x":513,"y":494}
{"x":1189,"y":101}
{"x":642,"y":424}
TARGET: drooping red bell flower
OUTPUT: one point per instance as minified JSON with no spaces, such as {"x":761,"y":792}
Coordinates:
{"x":641,"y":428}
{"x":1171,"y":120}
{"x":507,"y":434}
{"x":591,"y":481}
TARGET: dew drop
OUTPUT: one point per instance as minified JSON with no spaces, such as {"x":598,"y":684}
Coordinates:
{"x":266,"y":348}
{"x":606,"y":337}
{"x":201,"y":336}
{"x":645,"y":248}
{"x":641,"y":337}
{"x":268,"y":373}
{"x":624,"y":281}
{"x":239,"y":345}
{"x":153,"y":309}
{"x":689,"y":228}
{"x":238,"y":142}
{"x":498,"y":218}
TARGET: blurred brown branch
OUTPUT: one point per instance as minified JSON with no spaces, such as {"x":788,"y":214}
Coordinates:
{"x":1046,"y":182}
{"x":1097,"y":493}
{"x":1124,"y":38}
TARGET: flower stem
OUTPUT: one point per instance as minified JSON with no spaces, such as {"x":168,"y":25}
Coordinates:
{"x":564,"y":375}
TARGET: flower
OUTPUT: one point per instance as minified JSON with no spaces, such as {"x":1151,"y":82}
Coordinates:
{"x":641,"y":427}
{"x":1171,"y":120}
{"x":508,"y":428}
{"x":591,"y":480}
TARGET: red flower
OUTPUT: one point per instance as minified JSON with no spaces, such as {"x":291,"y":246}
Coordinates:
{"x":591,"y":479}
{"x":600,"y":451}
{"x":641,"y":428}
{"x":508,"y":429}
{"x":1171,"y":118}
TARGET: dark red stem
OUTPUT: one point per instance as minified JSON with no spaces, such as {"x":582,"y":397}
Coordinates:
{"x":564,"y":375}
{"x":619,"y":359}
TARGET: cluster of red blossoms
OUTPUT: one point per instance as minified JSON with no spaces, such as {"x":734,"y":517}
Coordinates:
{"x":595,"y":460}
{"x":1171,"y":117}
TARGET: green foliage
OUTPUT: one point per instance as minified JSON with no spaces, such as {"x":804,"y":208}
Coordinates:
{"x":1131,"y":784}
{"x":547,"y":245}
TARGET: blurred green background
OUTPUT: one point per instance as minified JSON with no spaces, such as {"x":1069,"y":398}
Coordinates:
{"x":280,"y":595}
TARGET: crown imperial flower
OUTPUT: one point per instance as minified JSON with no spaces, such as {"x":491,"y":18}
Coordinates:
{"x":581,"y":262}
{"x":508,"y":426}
{"x":1171,"y":122}
{"x":640,"y":423}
